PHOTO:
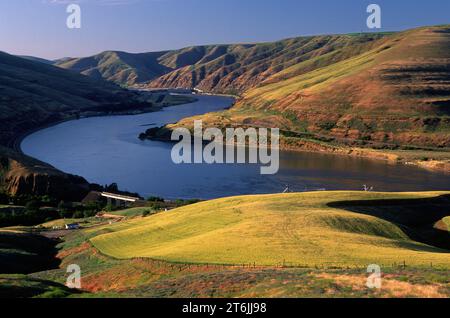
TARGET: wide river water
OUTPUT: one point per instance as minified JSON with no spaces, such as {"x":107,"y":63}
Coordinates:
{"x":107,"y":149}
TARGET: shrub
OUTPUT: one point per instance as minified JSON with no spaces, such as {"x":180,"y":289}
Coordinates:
{"x":32,"y":205}
{"x":4,"y":198}
{"x":89,"y":213}
{"x":155,"y":199}
{"x":78,"y":215}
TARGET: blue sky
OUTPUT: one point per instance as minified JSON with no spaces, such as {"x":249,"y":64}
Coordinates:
{"x":38,"y":27}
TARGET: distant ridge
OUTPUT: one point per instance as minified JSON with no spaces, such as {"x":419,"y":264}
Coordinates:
{"x":37,"y":59}
{"x":215,"y":68}
{"x":383,"y":88}
{"x":119,"y":67}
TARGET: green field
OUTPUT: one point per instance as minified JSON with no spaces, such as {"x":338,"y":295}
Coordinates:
{"x":322,"y":243}
{"x":306,"y":229}
{"x":132,"y":212}
{"x":61,"y":223}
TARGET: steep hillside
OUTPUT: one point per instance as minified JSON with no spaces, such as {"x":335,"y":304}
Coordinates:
{"x":398,"y":92}
{"x":217,"y":68}
{"x":20,"y":174}
{"x":332,"y":228}
{"x":395,"y":92}
{"x":118,"y":67}
{"x":33,"y":94}
{"x":236,"y":68}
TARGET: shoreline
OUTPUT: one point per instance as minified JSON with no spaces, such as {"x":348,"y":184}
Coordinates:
{"x":437,"y":166}
{"x":16,"y":142}
{"x":305,"y":146}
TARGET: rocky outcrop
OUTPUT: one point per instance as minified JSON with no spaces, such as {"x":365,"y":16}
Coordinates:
{"x":34,"y":95}
{"x":22,"y":175}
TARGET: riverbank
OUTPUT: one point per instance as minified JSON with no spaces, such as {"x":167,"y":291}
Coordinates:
{"x":425,"y":159}
{"x":16,"y":141}
{"x":20,"y":174}
{"x":428,"y":160}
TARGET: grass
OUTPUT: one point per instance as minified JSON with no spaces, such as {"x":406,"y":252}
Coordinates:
{"x":15,"y":286}
{"x":316,"y":79}
{"x":103,"y":276}
{"x":325,"y":241}
{"x":24,"y":253}
{"x":447,"y":221}
{"x":61,"y":223}
{"x":372,"y":94}
{"x":289,"y":229}
{"x":132,"y":212}
{"x":8,"y":207}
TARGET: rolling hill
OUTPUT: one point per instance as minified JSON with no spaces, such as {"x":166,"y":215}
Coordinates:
{"x":34,"y":94}
{"x":375,"y":89}
{"x":395,"y":92}
{"x":216,"y":68}
{"x":119,"y":67}
{"x":234,"y":69}
{"x":398,"y":92}
{"x":307,"y":229}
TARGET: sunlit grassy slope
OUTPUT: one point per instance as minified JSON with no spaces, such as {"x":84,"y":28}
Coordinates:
{"x":296,"y":229}
{"x":393,"y":91}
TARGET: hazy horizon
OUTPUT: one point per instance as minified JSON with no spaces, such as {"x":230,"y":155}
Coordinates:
{"x":38,"y":27}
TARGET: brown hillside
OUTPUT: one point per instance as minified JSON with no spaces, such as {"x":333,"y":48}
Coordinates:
{"x":398,"y":92}
{"x":394,"y":92}
{"x":237,"y":68}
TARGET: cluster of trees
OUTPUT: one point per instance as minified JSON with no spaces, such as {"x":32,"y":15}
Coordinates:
{"x":4,"y":198}
{"x":34,"y":210}
{"x":75,"y":211}
{"x":29,"y":210}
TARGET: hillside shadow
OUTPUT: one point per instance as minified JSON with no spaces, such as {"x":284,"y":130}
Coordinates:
{"x":27,"y":253}
{"x":416,"y":217}
{"x":25,"y":287}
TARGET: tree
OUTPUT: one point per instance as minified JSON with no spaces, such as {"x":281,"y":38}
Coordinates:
{"x":33,"y":206}
{"x":4,"y":198}
{"x":113,"y":187}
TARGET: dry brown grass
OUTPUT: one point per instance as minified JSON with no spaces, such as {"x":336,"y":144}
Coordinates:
{"x":390,"y":287}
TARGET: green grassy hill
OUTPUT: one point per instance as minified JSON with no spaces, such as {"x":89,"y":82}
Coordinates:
{"x":305,"y":229}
